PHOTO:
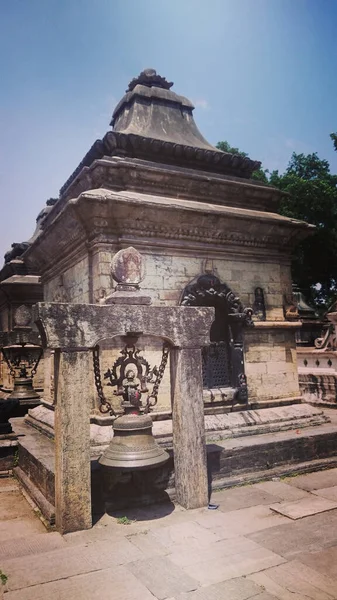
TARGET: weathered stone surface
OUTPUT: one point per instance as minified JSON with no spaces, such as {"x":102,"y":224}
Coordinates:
{"x":211,"y":571}
{"x":294,"y":537}
{"x":296,"y":580}
{"x":72,"y":443}
{"x":83,"y":325}
{"x":241,"y":522}
{"x":13,"y":505}
{"x":189,"y":534}
{"x":162,"y":577}
{"x":243,"y":497}
{"x":127,"y":267}
{"x":282,"y":490}
{"x":236,"y":589}
{"x":191,"y":481}
{"x":108,"y":584}
{"x":20,"y":526}
{"x":67,"y":562}
{"x":322,"y":560}
{"x":329,"y":493}
{"x":314,"y":481}
{"x":187,"y":553}
{"x":29,"y":545}
{"x":304,"y":507}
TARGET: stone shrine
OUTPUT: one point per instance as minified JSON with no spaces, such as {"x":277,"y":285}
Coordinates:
{"x":208,"y":236}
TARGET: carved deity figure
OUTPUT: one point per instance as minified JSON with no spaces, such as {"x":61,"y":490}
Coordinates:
{"x":131,"y":392}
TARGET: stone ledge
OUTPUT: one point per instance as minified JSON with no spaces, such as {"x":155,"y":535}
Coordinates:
{"x":46,"y":508}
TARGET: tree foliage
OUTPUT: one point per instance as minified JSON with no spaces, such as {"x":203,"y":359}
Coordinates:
{"x":311,"y":195}
{"x":334,"y":139}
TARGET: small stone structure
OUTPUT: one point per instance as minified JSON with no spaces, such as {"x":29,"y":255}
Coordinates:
{"x":317,"y":366}
{"x":154,"y":202}
{"x":154,"y":183}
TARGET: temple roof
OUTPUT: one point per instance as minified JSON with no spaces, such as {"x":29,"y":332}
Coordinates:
{"x":152,"y":122}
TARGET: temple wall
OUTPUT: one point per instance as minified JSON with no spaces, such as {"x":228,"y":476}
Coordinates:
{"x":271,"y":364}
{"x":270,"y":357}
{"x":71,"y":286}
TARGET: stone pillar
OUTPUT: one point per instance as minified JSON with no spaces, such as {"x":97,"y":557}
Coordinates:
{"x":72,"y":441}
{"x":48,"y":386}
{"x":188,"y":426}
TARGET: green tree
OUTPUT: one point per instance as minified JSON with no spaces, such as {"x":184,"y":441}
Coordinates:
{"x":312,"y":197}
{"x":259,"y":175}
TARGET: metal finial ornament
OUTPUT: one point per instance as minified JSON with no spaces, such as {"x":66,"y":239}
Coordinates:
{"x":22,"y":352}
{"x":133,"y":445}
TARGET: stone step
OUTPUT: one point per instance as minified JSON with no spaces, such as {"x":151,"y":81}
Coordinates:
{"x":231,"y":461}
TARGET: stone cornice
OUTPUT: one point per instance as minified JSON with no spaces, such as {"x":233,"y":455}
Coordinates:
{"x":114,"y":215}
{"x":165,"y":152}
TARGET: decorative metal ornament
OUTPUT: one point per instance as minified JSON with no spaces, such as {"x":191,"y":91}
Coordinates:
{"x":22,"y":361}
{"x":133,"y":445}
{"x":22,"y":354}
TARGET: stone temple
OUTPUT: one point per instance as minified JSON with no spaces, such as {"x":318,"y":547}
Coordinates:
{"x":209,"y":236}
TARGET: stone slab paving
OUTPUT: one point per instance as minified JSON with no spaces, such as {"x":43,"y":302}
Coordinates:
{"x":282,"y":490}
{"x":244,"y":550}
{"x":304,"y":507}
{"x":240,"y":522}
{"x":107,"y":584}
{"x":323,"y":561}
{"x":67,"y":562}
{"x":314,"y":481}
{"x":330,"y":493}
{"x":243,"y":497}
{"x":286,"y":585}
{"x":208,"y":571}
{"x":18,"y":528}
{"x":162,"y":577}
{"x":290,"y":539}
{"x":234,"y":589}
{"x":13,"y":505}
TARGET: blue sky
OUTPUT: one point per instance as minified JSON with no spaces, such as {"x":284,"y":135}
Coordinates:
{"x":262,"y":74}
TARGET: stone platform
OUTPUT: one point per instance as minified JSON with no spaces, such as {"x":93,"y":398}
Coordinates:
{"x":269,"y":541}
{"x":235,"y":459}
{"x":279,"y":416}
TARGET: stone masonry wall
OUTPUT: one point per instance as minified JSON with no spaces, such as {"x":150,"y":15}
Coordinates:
{"x":271,"y":364}
{"x":270,"y":356}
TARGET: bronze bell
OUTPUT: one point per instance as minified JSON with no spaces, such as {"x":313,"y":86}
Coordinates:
{"x":23,"y":389}
{"x":22,"y":360}
{"x":133,"y":445}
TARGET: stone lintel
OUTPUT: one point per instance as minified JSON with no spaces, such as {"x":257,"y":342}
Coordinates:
{"x":85,"y":325}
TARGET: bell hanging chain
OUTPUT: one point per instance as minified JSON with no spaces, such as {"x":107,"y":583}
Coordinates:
{"x":105,"y":406}
{"x":159,"y":376}
{"x":11,"y":370}
{"x":34,"y":369}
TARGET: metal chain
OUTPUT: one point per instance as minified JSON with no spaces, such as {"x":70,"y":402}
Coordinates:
{"x":160,"y":375}
{"x":11,"y":370}
{"x":105,"y":406}
{"x":33,"y":371}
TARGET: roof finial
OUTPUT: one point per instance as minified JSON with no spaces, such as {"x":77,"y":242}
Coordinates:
{"x":150,"y":78}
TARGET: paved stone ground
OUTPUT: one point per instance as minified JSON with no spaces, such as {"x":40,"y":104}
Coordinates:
{"x":275,"y":540}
